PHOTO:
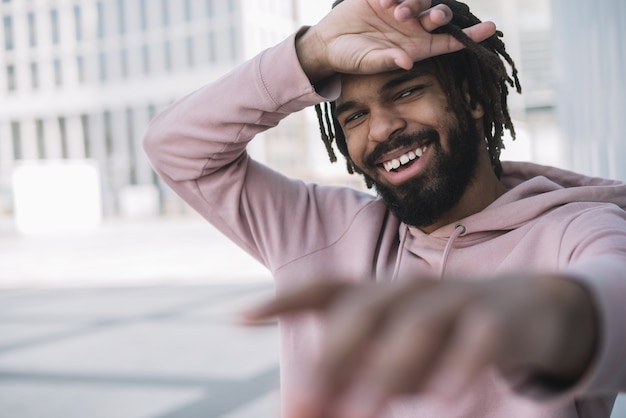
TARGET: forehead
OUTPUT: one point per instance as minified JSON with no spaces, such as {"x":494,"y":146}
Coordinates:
{"x":355,"y":86}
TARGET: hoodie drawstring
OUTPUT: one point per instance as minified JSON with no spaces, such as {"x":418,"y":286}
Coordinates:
{"x":459,"y":229}
{"x":396,"y":268}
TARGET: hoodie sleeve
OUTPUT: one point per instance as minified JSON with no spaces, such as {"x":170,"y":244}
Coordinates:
{"x":198,"y":146}
{"x":593,"y":252}
{"x":599,"y":263}
{"x":209,"y":129}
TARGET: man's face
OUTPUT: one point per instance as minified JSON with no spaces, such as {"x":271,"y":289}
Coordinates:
{"x":401,"y":134}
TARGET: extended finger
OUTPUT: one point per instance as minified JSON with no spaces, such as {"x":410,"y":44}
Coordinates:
{"x":446,"y":43}
{"x":407,"y":9}
{"x":411,"y":346}
{"x":435,"y":17}
{"x":310,"y":296}
{"x":473,"y":346}
{"x":353,"y":327}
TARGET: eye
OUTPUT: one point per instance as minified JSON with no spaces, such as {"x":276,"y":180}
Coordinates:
{"x":408,"y":92}
{"x":354,"y":116}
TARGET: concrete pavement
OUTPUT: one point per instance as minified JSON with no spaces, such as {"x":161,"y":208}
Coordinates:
{"x":178,"y":250}
{"x":135,"y":352}
{"x":132,"y":320}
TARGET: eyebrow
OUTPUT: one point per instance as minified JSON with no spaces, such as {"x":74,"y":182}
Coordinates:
{"x":389,"y":85}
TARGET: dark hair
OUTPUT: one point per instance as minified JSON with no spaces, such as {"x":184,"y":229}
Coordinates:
{"x":477,"y":70}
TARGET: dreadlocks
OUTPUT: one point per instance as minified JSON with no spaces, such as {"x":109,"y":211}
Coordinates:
{"x":478,"y":70}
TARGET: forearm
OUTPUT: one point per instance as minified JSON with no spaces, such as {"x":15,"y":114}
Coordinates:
{"x":211,"y":127}
{"x":309,"y":49}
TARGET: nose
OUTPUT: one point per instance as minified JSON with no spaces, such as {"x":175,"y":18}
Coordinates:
{"x":384,"y":123}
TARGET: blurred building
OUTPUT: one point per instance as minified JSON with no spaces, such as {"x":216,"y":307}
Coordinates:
{"x":590,"y":51}
{"x":80,"y":79}
{"x":572,"y":58}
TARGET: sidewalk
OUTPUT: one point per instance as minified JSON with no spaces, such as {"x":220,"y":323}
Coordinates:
{"x":158,"y":251}
{"x":133,"y":320}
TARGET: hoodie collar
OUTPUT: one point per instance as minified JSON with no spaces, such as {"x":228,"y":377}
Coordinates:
{"x":533,"y":191}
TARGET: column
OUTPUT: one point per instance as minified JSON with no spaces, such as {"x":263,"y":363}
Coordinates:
{"x":75,"y":137}
{"x":591,"y":60}
{"x":52,"y":138}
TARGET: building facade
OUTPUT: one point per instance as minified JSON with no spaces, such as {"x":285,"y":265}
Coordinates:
{"x":590,"y":52}
{"x":80,"y":79}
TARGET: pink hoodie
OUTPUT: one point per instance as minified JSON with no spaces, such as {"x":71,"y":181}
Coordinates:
{"x":549,"y":221}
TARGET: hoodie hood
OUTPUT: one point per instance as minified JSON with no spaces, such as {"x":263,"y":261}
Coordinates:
{"x":534,"y":190}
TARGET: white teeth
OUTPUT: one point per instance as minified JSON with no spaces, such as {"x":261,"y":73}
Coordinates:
{"x":404,"y":159}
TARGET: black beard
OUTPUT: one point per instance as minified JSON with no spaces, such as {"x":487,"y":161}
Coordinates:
{"x":421,"y":201}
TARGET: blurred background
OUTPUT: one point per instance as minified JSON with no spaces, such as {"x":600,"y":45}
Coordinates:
{"x":110,"y":286}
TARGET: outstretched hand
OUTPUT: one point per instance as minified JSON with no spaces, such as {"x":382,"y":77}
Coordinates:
{"x":373,"y":36}
{"x":388,"y":339}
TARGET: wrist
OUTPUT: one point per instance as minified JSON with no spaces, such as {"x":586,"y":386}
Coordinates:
{"x":310,"y":52}
{"x":579,"y":330}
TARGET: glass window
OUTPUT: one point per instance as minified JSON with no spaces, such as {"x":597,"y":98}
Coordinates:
{"x":130,"y":135}
{"x":189,"y":50}
{"x":58,"y":72}
{"x":8,"y":33}
{"x":145,"y":58}
{"x":124,"y":62}
{"x":41,"y":143}
{"x":143,"y":14}
{"x":78,"y":22}
{"x":233,"y":43}
{"x":212,"y":47}
{"x":188,"y":11}
{"x":108,"y":133}
{"x":16,"y":134}
{"x":34,"y":75}
{"x":32,"y":30}
{"x":167,"y":55}
{"x":10,"y":77}
{"x":80,"y":68}
{"x":63,"y":131}
{"x":121,"y":17}
{"x":100,"y":11}
{"x":165,"y":12}
{"x":102,"y":66}
{"x":84,"y":119}
{"x":54,"y":26}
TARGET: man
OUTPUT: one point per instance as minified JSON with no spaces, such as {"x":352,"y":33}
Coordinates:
{"x":470,"y":288}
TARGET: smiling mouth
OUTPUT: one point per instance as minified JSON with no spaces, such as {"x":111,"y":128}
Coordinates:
{"x":404,"y":159}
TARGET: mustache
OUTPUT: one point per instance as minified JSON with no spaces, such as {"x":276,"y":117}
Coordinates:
{"x":403,"y":140}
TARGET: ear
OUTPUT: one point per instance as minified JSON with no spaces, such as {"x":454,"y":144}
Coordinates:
{"x":477,"y":110}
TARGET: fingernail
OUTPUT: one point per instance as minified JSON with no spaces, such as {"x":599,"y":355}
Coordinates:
{"x":438,"y":16}
{"x":403,"y":13}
